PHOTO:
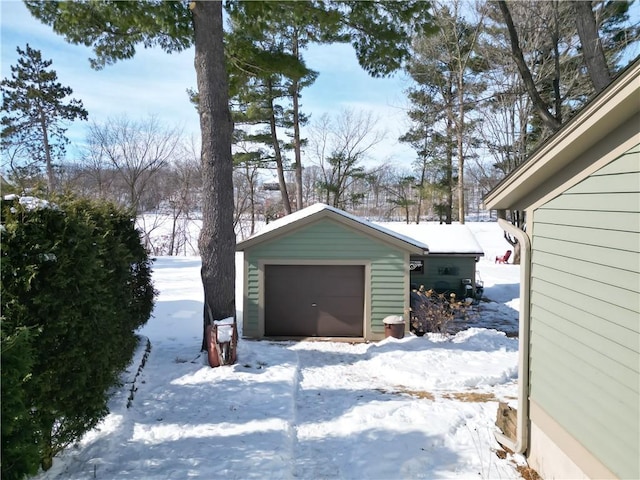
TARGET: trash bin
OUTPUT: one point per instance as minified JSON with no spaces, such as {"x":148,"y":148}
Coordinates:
{"x":393,"y":326}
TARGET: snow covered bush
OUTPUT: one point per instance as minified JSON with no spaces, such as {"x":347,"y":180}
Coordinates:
{"x":78,"y":279}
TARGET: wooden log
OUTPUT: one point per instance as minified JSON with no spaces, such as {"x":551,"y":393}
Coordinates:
{"x":221,"y":353}
{"x":506,"y":420}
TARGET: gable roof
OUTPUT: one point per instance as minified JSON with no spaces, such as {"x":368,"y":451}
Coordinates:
{"x":613,"y":114}
{"x":318,"y":211}
{"x":454,"y":239}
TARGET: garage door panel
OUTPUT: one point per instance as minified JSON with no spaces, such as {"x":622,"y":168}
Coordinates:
{"x":329,"y":326}
{"x":280,"y":288}
{"x":296,"y":328}
{"x":339,"y":281}
{"x":314,"y":300}
{"x":342,"y":319}
{"x":281,"y":321}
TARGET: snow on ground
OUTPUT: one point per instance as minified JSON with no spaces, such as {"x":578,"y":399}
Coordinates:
{"x":413,"y":408}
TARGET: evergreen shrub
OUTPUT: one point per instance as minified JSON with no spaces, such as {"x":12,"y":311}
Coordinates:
{"x":75,"y":278}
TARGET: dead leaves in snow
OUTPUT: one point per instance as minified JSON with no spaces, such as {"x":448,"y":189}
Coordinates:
{"x":468,"y":396}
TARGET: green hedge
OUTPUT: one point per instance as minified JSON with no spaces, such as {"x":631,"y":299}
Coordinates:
{"x":76,"y":284}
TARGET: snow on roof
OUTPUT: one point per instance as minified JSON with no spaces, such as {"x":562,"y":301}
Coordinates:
{"x":441,"y":239}
{"x":319,"y":207}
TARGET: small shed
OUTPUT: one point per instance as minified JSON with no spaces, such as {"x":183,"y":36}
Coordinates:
{"x":451,"y":263}
{"x":322,"y":272}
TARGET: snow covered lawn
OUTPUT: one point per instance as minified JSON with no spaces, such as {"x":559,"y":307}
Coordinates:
{"x":419,"y":407}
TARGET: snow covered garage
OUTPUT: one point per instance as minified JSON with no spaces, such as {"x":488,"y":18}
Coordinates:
{"x":321,"y":272}
{"x":450,"y":266}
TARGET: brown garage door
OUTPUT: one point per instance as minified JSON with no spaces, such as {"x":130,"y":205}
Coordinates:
{"x":314,"y":300}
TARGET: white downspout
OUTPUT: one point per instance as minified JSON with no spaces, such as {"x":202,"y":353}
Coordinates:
{"x":522,"y":424}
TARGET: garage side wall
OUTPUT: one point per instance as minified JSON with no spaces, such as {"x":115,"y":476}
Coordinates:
{"x":331,"y":242}
{"x":444,"y":273}
{"x":585,"y":334}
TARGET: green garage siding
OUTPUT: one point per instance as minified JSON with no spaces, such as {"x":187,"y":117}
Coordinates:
{"x":445,"y":272}
{"x":585,"y":312}
{"x":330,"y":241}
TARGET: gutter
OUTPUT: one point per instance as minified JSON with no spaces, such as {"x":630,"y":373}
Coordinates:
{"x":522,"y":420}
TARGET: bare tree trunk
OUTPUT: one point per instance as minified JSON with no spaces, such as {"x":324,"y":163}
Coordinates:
{"x":556,"y":64}
{"x":592,"y":51}
{"x":174,"y":228}
{"x":297,"y":147}
{"x":47,"y":453}
{"x":278,"y":157}
{"x":460,"y":145}
{"x":449,"y":176}
{"x":539,"y":104}
{"x":217,"y":239}
{"x":421,"y":190}
{"x":47,"y":153}
{"x":252,"y":205}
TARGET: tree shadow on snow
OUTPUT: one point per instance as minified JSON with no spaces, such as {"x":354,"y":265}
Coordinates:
{"x":373,"y":454}
{"x":190,"y":420}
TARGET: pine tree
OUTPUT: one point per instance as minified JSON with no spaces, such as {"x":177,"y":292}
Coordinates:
{"x":36,"y":110}
{"x":445,"y":70}
{"x":266,"y":49}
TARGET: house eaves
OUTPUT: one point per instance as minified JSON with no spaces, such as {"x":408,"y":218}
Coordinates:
{"x":614,"y":112}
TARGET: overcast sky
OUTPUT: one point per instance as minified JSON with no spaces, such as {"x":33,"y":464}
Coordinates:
{"x":155,"y":83}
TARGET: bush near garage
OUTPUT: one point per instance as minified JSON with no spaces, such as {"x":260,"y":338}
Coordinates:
{"x":76,"y":284}
{"x":434,"y":312}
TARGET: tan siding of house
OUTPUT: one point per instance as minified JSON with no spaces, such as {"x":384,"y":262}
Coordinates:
{"x":585,"y":311}
{"x":331,"y":242}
